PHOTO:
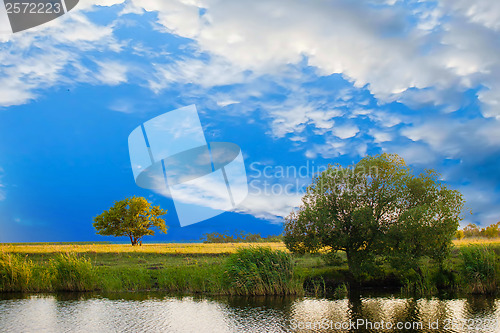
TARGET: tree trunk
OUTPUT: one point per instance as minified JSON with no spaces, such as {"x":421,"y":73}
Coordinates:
{"x":352,"y":265}
{"x":133,"y":240}
{"x":349,"y":260}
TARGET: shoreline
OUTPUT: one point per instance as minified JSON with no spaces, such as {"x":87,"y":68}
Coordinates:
{"x":192,"y":269}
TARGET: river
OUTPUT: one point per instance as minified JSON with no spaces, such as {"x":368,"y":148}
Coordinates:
{"x":153,"y":312}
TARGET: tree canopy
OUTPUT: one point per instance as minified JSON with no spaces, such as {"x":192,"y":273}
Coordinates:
{"x":376,"y":206}
{"x":134,"y":217}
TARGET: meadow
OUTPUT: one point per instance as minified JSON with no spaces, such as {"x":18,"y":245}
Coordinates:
{"x":180,"y":268}
{"x":204,"y":268}
{"x":476,"y":241}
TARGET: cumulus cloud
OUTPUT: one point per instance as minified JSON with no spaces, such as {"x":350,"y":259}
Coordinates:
{"x":51,"y":54}
{"x":345,"y":131}
{"x":215,"y":72}
{"x":428,"y":56}
{"x":272,"y":207}
{"x":474,"y":139}
{"x":112,"y":72}
{"x":483,"y":12}
{"x":450,"y":48}
{"x":387,"y":53}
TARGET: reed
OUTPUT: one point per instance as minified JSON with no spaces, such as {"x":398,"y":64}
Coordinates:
{"x":260,"y":271}
{"x":479,"y":268}
{"x":16,"y":272}
{"x":73,"y":273}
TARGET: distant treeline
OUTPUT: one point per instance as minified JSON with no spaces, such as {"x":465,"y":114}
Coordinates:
{"x":239,"y":237}
{"x":473,"y":231}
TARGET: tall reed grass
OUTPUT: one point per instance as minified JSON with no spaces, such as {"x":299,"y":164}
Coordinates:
{"x":16,"y":272}
{"x":479,"y":268}
{"x":67,"y":272}
{"x":73,"y":273}
{"x":260,"y":271}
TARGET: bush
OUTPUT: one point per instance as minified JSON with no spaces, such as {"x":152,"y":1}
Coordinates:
{"x":73,"y":273}
{"x":15,"y":272}
{"x":260,"y":271}
{"x":332,"y":258}
{"x":479,"y":268}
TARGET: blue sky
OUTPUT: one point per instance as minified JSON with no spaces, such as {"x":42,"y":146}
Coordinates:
{"x":293,"y":83}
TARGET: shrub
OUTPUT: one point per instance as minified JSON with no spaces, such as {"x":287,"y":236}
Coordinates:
{"x":260,"y":271}
{"x":332,"y":258}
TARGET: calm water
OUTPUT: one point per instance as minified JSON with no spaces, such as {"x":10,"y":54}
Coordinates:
{"x":160,"y":313}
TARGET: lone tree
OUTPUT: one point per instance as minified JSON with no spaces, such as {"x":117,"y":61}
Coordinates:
{"x":133,"y":217}
{"x":375,"y":207}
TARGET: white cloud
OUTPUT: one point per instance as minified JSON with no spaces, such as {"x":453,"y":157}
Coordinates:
{"x":122,"y":105}
{"x":49,"y":54}
{"x":331,"y":149}
{"x":180,"y":17}
{"x":223,"y":103}
{"x":455,"y":139}
{"x":273,"y":207}
{"x":13,"y":92}
{"x":417,"y":154}
{"x":345,"y":131}
{"x":483,"y":12}
{"x":451,"y":48}
{"x":380,"y":136}
{"x":483,"y":205}
{"x":215,"y":72}
{"x":263,"y":38}
{"x":112,"y":72}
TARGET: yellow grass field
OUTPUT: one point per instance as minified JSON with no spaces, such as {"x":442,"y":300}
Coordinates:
{"x":172,"y":248}
{"x":475,"y":241}
{"x":167,"y":248}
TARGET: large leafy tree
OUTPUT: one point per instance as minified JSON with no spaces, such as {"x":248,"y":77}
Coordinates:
{"x":375,"y":207}
{"x":134,"y":217}
{"x":428,"y":217}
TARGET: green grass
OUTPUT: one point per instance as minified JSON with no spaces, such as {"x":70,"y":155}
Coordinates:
{"x":260,"y":271}
{"x":65,"y":272}
{"x":16,"y":273}
{"x":184,"y":268}
{"x":479,"y":268}
{"x":212,"y":268}
{"x":73,"y":273}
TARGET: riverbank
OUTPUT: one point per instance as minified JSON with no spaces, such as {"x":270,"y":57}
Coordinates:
{"x":202,"y":268}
